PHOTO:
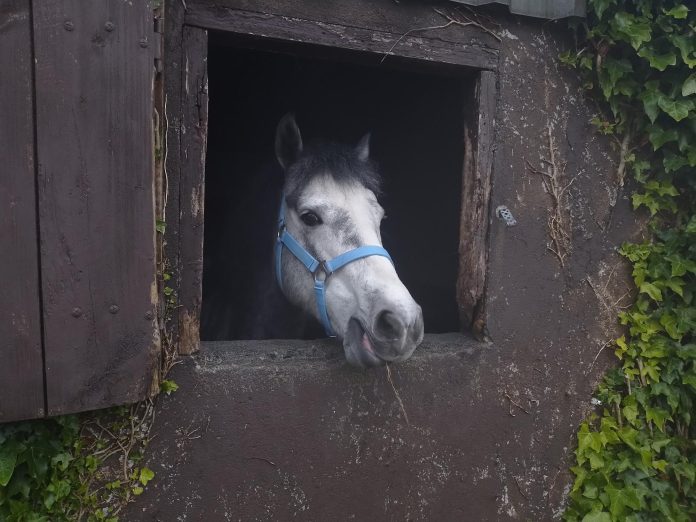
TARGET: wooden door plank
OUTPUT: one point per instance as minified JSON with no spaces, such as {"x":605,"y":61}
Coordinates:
{"x":94,"y":108}
{"x":21,"y":368}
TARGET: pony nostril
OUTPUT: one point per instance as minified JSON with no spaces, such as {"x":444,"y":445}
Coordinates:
{"x":388,"y":326}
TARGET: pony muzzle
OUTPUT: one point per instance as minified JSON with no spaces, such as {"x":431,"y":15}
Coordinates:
{"x":391,"y":338}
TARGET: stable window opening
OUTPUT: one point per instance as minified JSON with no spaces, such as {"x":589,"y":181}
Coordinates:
{"x":416,"y":120}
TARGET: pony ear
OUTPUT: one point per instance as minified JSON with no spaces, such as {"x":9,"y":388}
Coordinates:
{"x":362,"y":149}
{"x":288,"y":141}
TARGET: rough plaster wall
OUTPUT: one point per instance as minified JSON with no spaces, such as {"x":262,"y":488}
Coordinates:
{"x":549,"y":321}
{"x":286,"y":431}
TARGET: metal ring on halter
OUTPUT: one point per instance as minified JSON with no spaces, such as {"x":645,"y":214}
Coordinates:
{"x":281,"y":229}
{"x":321,"y":268}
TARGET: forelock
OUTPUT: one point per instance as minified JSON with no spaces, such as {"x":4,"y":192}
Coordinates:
{"x":341,"y":162}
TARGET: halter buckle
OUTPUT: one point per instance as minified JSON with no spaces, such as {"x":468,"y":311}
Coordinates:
{"x":281,"y":229}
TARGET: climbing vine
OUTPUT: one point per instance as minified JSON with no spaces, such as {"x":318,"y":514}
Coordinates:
{"x":74,"y":468}
{"x":636,"y":458}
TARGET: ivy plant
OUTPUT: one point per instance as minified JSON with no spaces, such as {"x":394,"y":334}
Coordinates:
{"x":636,"y":458}
{"x":75,"y":467}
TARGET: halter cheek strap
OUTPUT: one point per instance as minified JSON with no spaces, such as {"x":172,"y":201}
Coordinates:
{"x":321,"y":270}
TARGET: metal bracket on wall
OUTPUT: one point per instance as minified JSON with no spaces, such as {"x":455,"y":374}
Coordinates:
{"x":506,"y":216}
{"x":158,"y":28}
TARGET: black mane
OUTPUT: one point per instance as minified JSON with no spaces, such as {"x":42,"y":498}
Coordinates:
{"x":341,"y":162}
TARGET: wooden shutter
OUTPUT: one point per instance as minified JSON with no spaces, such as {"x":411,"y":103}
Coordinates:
{"x":93,"y":81}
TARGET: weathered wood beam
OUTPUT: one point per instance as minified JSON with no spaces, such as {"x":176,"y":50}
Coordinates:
{"x":475,"y":208}
{"x":413,"y":44}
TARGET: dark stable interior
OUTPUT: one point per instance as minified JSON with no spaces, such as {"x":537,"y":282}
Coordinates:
{"x":416,"y":124}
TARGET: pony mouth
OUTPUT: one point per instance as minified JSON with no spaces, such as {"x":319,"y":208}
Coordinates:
{"x":359,"y":346}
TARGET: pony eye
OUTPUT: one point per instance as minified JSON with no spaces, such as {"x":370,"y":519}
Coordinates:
{"x":310,"y":219}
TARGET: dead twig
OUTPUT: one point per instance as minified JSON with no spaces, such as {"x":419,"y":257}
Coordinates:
{"x":410,"y":31}
{"x":597,"y":356}
{"x":396,"y":394}
{"x":551,"y":486}
{"x":480,"y":18}
{"x":600,"y":296}
{"x":263,"y":459}
{"x":624,"y":152}
{"x":513,"y":402}
{"x":519,"y":488}
{"x":560,"y":238}
{"x":450,"y":21}
{"x":552,"y":172}
{"x":467,"y":21}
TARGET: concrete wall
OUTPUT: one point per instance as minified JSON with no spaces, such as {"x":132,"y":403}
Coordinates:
{"x":285,"y":430}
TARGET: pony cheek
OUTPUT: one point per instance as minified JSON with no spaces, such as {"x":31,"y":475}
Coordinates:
{"x":298,"y":284}
{"x":341,"y":304}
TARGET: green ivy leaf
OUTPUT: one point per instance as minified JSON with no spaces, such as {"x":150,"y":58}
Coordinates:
{"x":662,"y":188}
{"x":620,"y":499}
{"x":59,"y":488}
{"x":635,"y":29}
{"x":49,"y":500}
{"x":168,"y":386}
{"x":615,"y":70}
{"x":600,"y":6}
{"x":677,"y":109}
{"x":596,"y":460}
{"x":630,"y":411}
{"x":680,"y":265}
{"x":689,"y":85}
{"x":671,"y":327}
{"x":652,"y":290}
{"x":673,"y":162}
{"x":676,"y":285}
{"x":8,"y":460}
{"x":597,"y":517}
{"x":658,"y":416}
{"x":569,"y":58}
{"x":658,"y":136}
{"x":146,"y":475}
{"x":691,"y":229}
{"x":659,"y":61}
{"x":690,"y":380}
{"x":686,"y":46}
{"x":650,"y":97}
{"x":647,"y":201}
{"x":679,"y":12}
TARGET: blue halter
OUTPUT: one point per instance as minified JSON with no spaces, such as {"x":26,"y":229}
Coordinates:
{"x":321,"y":270}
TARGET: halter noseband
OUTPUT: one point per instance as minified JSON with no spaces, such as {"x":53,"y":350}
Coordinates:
{"x":317,"y":268}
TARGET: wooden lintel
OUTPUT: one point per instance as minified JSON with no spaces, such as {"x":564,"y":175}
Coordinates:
{"x":411,"y":45}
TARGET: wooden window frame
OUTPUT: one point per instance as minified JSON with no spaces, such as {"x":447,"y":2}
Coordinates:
{"x":186,"y":90}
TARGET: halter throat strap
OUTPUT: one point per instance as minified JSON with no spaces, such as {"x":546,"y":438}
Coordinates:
{"x":321,"y":270}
